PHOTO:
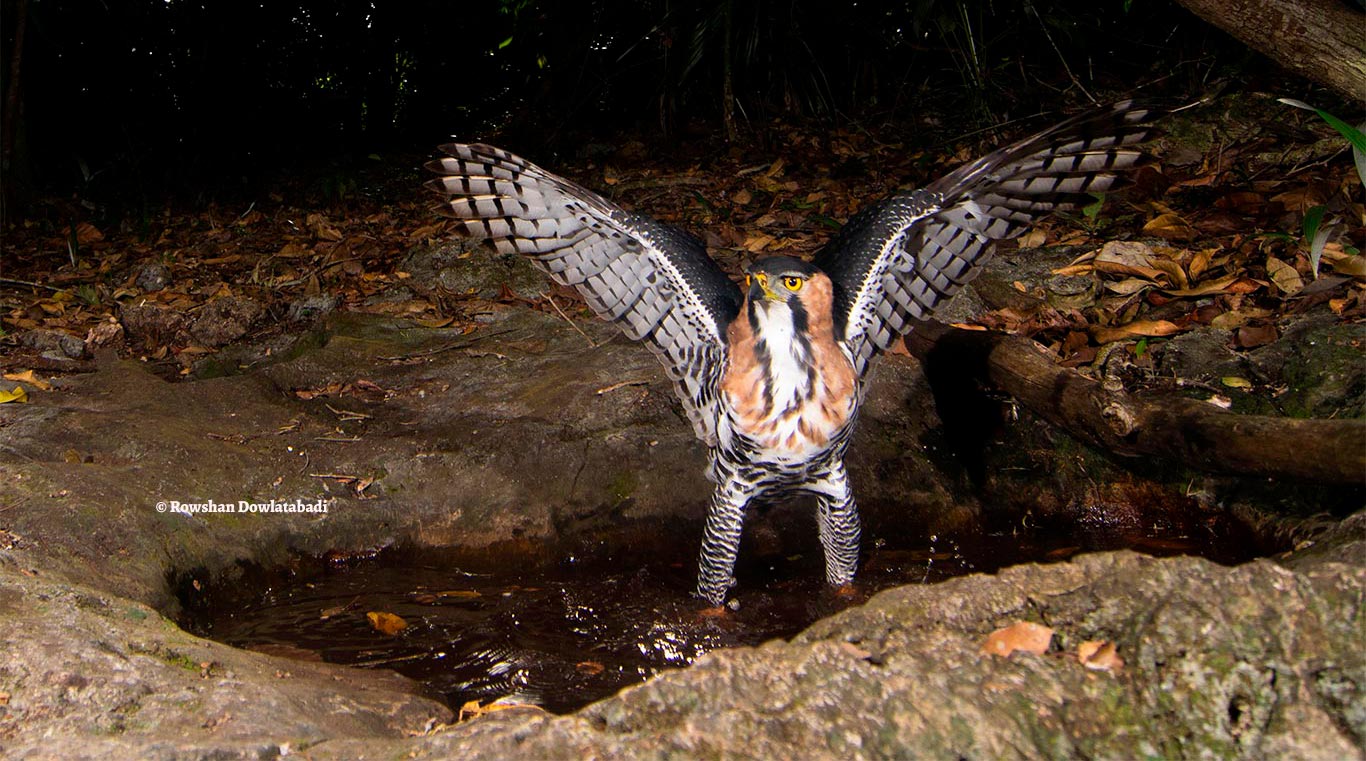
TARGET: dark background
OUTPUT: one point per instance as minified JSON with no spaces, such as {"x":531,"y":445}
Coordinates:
{"x":125,"y":101}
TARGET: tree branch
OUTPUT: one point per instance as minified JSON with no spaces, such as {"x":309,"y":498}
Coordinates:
{"x":1192,"y":433}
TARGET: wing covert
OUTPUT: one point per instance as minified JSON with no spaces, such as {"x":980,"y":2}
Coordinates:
{"x":901,"y":258}
{"x":653,"y":281}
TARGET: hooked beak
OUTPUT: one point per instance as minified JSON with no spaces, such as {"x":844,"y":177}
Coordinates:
{"x":759,"y":290}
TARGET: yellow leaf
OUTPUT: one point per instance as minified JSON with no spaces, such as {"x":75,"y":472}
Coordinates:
{"x":27,"y":376}
{"x":1025,"y":636}
{"x":18,"y":394}
{"x":386,"y":623}
{"x":1233,"y":381}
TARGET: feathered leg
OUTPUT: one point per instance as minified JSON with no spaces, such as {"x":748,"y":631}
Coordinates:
{"x":721,"y":541}
{"x":838,"y":525}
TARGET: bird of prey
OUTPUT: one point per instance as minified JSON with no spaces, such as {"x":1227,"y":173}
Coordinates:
{"x":771,"y":374}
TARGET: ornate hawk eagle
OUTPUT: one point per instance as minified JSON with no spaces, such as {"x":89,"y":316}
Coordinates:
{"x":771,"y":373}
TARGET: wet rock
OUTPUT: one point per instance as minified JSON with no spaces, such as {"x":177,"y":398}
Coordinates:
{"x":462,"y":268}
{"x":153,"y":326}
{"x":310,"y":308}
{"x":60,"y":345}
{"x":224,"y":320}
{"x":1203,"y":354}
{"x":1319,"y":361}
{"x":153,"y":277}
{"x":520,"y":435}
{"x":109,"y":677}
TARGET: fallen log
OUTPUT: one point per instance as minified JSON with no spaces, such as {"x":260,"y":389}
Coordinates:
{"x":1195,"y":434}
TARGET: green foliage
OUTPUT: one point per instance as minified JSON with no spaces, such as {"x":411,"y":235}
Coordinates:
{"x":87,"y":293}
{"x":1354,"y":136}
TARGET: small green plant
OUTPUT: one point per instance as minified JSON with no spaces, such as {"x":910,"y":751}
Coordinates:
{"x":87,"y":293}
{"x":1354,"y":135}
{"x":1317,"y":233}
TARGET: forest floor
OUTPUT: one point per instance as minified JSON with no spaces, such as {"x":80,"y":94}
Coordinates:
{"x":1251,"y":215}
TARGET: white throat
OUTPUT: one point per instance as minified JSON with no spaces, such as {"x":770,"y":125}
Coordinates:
{"x":789,"y":381}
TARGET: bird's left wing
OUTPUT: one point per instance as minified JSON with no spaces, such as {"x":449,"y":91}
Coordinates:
{"x":900,"y":258}
{"x":653,"y":281}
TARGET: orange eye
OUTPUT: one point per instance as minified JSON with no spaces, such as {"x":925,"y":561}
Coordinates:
{"x":793,"y":284}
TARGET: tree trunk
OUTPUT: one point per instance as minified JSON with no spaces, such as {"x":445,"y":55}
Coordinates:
{"x":9,"y":124}
{"x":1322,"y":40}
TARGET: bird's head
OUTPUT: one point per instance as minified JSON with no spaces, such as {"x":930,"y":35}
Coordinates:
{"x":781,"y":288}
{"x":777,"y":279}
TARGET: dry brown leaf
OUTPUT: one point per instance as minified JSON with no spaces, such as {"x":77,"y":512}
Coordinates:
{"x":742,"y":197}
{"x":1128,"y":286}
{"x":1208,"y":288}
{"x":1034,"y":238}
{"x":27,"y":376}
{"x":1100,"y":655}
{"x":1025,"y":636}
{"x":855,"y":651}
{"x":1286,"y":278}
{"x":1351,"y":264}
{"x":473,"y":710}
{"x":1135,"y":329}
{"x":757,"y":243}
{"x":1073,"y":270}
{"x":1200,"y":262}
{"x":1170,"y":226}
{"x":386,"y":623}
{"x":1300,"y":199}
{"x":1229,"y":320}
{"x":293,"y":250}
{"x":1252,"y":336}
{"x":1126,"y":252}
{"x":88,"y":233}
{"x":1175,"y":274}
{"x":437,"y":322}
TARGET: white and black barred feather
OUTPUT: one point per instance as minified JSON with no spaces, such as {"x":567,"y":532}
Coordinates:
{"x":653,"y":281}
{"x":902,"y":257}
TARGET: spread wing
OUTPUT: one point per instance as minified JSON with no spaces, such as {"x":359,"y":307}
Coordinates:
{"x":653,"y":281}
{"x":900,"y":258}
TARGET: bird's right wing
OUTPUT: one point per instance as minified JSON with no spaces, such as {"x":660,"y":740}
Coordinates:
{"x":653,"y":281}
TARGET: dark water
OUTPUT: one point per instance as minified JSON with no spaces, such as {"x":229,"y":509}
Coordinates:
{"x":577,"y":628}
